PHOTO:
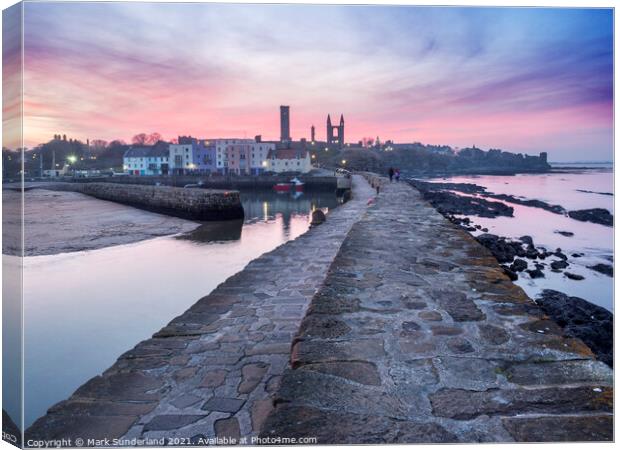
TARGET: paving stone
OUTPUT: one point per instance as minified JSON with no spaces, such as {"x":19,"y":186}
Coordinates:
{"x":559,"y":372}
{"x":214,"y":378}
{"x":79,"y":426}
{"x":358,"y":371}
{"x":460,"y":345}
{"x":259,"y":411}
{"x":251,"y":375}
{"x":560,"y":428}
{"x":359,"y":350}
{"x":340,"y":427}
{"x":458,"y":305}
{"x":431,"y":316}
{"x":172,"y":421}
{"x":223,"y":404}
{"x":132,"y":386}
{"x":443,"y":330}
{"x":184,"y":374}
{"x":463,"y":404}
{"x":227,"y":428}
{"x":185,"y":400}
{"x":493,"y":334}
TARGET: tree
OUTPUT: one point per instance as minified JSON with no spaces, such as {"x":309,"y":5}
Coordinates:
{"x":139,"y":139}
{"x":153,"y":138}
{"x":146,"y":139}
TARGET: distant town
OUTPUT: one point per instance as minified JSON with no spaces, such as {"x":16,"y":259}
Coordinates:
{"x":150,"y":155}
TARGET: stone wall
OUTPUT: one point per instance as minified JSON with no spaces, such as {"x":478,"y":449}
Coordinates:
{"x":417,"y":336}
{"x":219,"y":182}
{"x":194,"y":204}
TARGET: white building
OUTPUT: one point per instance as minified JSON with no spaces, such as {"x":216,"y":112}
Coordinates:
{"x":181,"y":158}
{"x":289,"y":160}
{"x":147,"y":160}
{"x":228,"y":152}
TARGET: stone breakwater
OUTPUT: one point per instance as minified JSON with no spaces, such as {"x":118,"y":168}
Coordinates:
{"x":418,"y":336}
{"x":325,"y":183}
{"x":212,"y":370}
{"x":194,"y":204}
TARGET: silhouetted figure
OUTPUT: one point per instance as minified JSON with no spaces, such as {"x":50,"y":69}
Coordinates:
{"x":391,"y":173}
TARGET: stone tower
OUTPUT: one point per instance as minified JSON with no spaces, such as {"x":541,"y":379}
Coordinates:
{"x":338,"y":138}
{"x":312,"y":133}
{"x":285,"y":126}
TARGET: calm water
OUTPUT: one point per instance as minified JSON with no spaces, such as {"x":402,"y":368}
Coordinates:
{"x":595,"y":241}
{"x":84,"y":309}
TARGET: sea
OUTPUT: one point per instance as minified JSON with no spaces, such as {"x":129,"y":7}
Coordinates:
{"x":574,"y":186}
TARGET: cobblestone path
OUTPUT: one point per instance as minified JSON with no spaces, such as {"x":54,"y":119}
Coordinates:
{"x":212,"y":370}
{"x":418,"y":336}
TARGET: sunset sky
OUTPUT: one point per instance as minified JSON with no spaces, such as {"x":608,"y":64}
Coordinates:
{"x":524,"y":80}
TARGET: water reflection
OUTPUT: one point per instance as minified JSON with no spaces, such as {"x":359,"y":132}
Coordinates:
{"x":83,"y":309}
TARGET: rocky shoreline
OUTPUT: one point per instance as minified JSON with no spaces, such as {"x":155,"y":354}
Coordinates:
{"x":441,"y":197}
{"x":578,"y":317}
{"x":583,"y":320}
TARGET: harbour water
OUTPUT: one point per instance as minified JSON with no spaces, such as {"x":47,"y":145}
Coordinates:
{"x":573,"y":189}
{"x":83,"y":309}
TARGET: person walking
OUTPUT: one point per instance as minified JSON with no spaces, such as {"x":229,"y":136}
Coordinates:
{"x":391,"y":173}
{"x":397,"y":175}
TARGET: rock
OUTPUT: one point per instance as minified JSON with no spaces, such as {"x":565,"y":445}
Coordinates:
{"x":558,"y":253}
{"x":536,"y":273}
{"x":527,"y":240}
{"x":511,"y":273}
{"x":448,"y":203}
{"x":573,"y":276}
{"x":518,"y":265}
{"x":503,"y":250}
{"x":565,"y":233}
{"x":581,"y":319}
{"x":594,"y":215}
{"x":557,"y":265}
{"x":577,"y":255}
{"x":318,"y":217}
{"x":605,"y":269}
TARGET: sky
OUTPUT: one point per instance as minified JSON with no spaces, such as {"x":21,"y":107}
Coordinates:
{"x":521,"y":79}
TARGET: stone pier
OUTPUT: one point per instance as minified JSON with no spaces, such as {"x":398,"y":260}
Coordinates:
{"x":193,"y":204}
{"x":417,"y":336}
{"x":384,"y":324}
{"x":213,"y":370}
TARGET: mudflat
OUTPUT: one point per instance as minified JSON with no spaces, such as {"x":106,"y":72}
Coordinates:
{"x":61,"y":222}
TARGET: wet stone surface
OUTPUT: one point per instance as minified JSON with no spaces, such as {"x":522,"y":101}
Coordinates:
{"x":413,"y":342}
{"x":214,"y":369}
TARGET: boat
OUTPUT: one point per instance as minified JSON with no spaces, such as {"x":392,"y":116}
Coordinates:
{"x":294,"y":185}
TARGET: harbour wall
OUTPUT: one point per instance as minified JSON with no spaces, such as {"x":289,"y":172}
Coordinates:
{"x":325,"y":183}
{"x":193,"y":204}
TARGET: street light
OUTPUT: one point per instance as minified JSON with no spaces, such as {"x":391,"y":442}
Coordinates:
{"x":344,"y":161}
{"x":72,"y":159}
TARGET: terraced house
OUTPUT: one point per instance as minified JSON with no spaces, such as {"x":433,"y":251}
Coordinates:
{"x":147,"y":159}
{"x":242,"y":156}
